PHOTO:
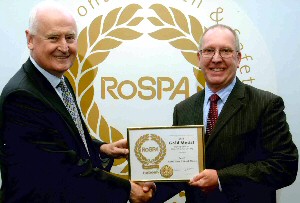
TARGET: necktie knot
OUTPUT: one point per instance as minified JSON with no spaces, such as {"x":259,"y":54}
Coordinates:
{"x":214,"y":98}
{"x":62,"y":85}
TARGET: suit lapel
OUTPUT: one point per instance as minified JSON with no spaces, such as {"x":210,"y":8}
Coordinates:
{"x":231,"y":107}
{"x":44,"y":90}
{"x":198,"y":111}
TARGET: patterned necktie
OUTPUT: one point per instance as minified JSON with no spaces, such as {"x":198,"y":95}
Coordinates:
{"x":212,"y":114}
{"x":71,"y":106}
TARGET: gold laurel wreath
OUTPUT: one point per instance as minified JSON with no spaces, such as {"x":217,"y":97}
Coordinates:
{"x":181,"y":32}
{"x":137,"y":149}
{"x":163,"y":150}
{"x":142,"y":158}
{"x":106,"y":33}
{"x":94,"y":45}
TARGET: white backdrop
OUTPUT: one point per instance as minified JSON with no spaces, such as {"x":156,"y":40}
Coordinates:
{"x":275,"y":21}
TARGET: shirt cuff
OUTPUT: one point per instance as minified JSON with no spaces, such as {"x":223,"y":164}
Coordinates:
{"x":220,"y":187}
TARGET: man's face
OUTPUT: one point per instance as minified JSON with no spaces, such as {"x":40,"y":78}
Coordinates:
{"x":219,"y":72}
{"x":54,"y":45}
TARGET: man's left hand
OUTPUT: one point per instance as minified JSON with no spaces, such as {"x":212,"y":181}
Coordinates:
{"x":207,"y":180}
{"x":118,"y":149}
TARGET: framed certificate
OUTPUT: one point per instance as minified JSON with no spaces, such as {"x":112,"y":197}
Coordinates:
{"x":165,"y":153}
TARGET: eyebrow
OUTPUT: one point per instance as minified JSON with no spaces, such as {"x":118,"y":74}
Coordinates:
{"x":219,"y":48}
{"x":71,"y":34}
{"x":58,"y":34}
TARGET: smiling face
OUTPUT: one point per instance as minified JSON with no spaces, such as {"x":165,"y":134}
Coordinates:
{"x":219,"y":72}
{"x":53,"y":45}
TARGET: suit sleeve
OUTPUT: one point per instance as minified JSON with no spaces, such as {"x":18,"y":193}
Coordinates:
{"x":38,"y":164}
{"x":277,"y":164}
{"x":166,"y":190}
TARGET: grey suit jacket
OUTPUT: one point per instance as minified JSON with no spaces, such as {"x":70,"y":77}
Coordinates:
{"x":250,"y":147}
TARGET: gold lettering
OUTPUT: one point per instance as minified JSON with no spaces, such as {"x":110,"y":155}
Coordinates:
{"x":247,"y":69}
{"x":160,"y":87}
{"x":250,"y":80}
{"x":242,"y":46}
{"x":147,"y":88}
{"x":83,"y":10}
{"x":146,"y":85}
{"x":150,"y":149}
{"x":80,"y":9}
{"x":90,"y":1}
{"x":130,"y":83}
{"x":184,"y":82}
{"x":195,"y":2}
{"x":246,"y":57}
{"x":109,"y":88}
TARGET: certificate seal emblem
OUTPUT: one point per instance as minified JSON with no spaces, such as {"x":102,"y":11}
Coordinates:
{"x":143,"y":152}
{"x":166,"y":171}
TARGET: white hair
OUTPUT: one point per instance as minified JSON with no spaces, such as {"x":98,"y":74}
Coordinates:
{"x":33,"y":22}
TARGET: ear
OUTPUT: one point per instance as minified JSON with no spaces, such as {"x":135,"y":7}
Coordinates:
{"x":199,"y":59}
{"x":239,"y":58}
{"x":29,"y":38}
{"x":198,"y":55}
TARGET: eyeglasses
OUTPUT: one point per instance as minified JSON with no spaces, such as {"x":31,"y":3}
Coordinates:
{"x":224,"y":53}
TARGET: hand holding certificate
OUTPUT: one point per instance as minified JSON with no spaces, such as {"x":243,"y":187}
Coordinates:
{"x":165,"y":153}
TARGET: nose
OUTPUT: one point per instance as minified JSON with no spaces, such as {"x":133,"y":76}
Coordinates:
{"x":63,"y":46}
{"x":217,"y":57}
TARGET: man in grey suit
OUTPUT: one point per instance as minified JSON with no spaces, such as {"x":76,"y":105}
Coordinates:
{"x":249,"y":153}
{"x":47,"y":153}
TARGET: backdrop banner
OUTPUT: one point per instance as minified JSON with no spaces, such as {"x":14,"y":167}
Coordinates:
{"x":137,"y":59}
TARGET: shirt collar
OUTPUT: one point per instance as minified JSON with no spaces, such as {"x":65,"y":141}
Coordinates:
{"x":223,"y":93}
{"x":54,"y":81}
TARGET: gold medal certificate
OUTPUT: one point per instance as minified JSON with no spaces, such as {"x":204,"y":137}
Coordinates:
{"x":165,"y":153}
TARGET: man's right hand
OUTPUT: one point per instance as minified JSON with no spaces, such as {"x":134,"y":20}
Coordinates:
{"x":141,"y":192}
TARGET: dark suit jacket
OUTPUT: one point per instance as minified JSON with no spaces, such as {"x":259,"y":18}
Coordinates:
{"x":43,"y":158}
{"x":250,"y":147}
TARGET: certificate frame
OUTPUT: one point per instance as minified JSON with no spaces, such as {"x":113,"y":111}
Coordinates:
{"x":165,"y":153}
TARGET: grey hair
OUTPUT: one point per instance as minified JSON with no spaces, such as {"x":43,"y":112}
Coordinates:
{"x":33,"y":21}
{"x":237,"y":41}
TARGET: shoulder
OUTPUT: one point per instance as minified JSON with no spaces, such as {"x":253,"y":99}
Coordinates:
{"x":250,"y":93}
{"x":261,"y":99}
{"x":259,"y":94}
{"x":18,"y":83}
{"x":190,"y":101}
{"x":19,"y":86}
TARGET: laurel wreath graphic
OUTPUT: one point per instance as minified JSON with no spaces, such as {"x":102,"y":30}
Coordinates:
{"x":94,"y":45}
{"x":106,"y":33}
{"x":146,"y":162}
{"x":181,"y":32}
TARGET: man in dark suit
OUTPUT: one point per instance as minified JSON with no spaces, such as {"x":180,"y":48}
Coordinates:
{"x":45,"y":156}
{"x":249,"y":153}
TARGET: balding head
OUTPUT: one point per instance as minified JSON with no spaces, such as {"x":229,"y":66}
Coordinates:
{"x":221,"y":26}
{"x":45,"y":8}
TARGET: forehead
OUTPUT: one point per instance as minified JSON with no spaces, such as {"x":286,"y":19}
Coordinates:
{"x":218,"y":38}
{"x":49,"y":20}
